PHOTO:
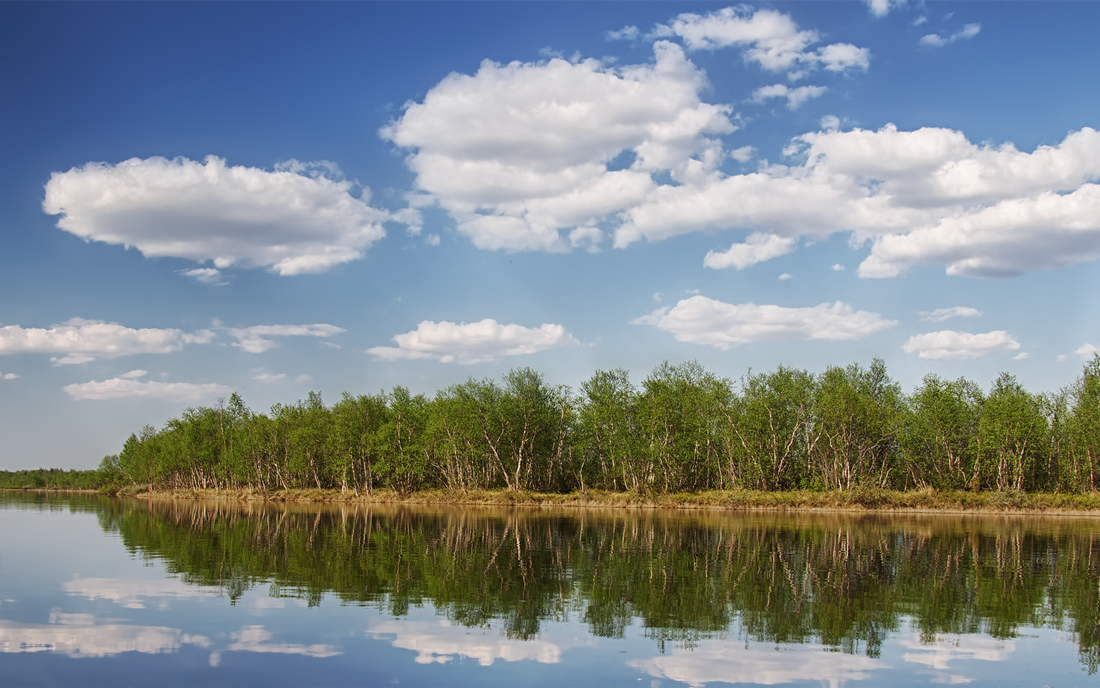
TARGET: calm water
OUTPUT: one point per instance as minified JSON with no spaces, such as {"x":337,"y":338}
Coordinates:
{"x":97,"y":591}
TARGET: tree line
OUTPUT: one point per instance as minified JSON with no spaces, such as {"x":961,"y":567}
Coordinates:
{"x":683,"y":429}
{"x":51,"y":479}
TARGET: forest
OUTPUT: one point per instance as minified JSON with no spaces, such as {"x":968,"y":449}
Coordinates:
{"x":682,"y":430}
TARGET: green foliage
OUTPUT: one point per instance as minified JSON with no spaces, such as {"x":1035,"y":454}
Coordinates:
{"x":684,"y":431}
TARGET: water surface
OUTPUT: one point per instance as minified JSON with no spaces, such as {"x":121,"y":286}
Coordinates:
{"x":99,"y":591}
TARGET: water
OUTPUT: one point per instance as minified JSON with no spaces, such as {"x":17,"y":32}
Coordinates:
{"x":98,"y":591}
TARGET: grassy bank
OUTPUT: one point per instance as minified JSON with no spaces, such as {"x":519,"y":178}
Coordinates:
{"x":797,"y":500}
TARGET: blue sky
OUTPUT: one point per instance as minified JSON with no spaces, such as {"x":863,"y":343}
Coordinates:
{"x":275,"y":198}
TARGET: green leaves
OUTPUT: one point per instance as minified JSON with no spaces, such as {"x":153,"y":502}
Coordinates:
{"x":684,"y":430}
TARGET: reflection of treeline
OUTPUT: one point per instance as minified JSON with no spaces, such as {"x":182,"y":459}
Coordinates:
{"x":683,"y":430}
{"x":841,"y":580}
{"x":50,"y":479}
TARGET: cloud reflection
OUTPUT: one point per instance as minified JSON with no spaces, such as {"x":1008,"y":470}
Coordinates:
{"x":947,"y":648}
{"x":134,"y":592}
{"x":255,"y":639}
{"x":79,"y":635}
{"x":439,"y":641}
{"x":728,"y":661}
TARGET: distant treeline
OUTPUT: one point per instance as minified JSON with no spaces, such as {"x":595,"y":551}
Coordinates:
{"x":51,"y":479}
{"x":683,"y":430}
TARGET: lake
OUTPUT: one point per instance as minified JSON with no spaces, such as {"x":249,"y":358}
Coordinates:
{"x":101,"y":591}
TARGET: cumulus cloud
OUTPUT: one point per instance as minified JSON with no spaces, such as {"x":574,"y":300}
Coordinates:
{"x":742,"y":154}
{"x":128,"y":388}
{"x":767,"y":37}
{"x":292,"y":220}
{"x":795,"y":96}
{"x":81,"y":341}
{"x":520,"y":154}
{"x":204,"y":275}
{"x":627,"y":33}
{"x":757,"y":248}
{"x":267,"y":378}
{"x":1085,"y":351}
{"x":701,"y":320}
{"x":474,"y":342}
{"x":937,"y":41}
{"x":257,"y":338}
{"x":948,"y":345}
{"x":8,"y":376}
{"x":880,"y":8}
{"x":1043,"y":232}
{"x":941,"y":314}
{"x":927,"y":196}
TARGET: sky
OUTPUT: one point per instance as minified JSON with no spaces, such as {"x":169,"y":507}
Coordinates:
{"x":274,"y":198}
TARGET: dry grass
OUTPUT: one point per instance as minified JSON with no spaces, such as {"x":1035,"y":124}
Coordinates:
{"x":862,"y":499}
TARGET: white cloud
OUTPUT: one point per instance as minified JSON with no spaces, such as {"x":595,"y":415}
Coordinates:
{"x":767,"y":37}
{"x":728,"y":661}
{"x":830,"y":123}
{"x":627,"y":33}
{"x":520,"y":153}
{"x":936,"y":41}
{"x":743,"y":154}
{"x":1021,"y":356}
{"x":134,"y":374}
{"x":837,"y":267}
{"x":433,"y":240}
{"x":257,"y":338}
{"x":289,"y":220}
{"x":921,"y":197}
{"x":125,"y":388}
{"x":204,"y":275}
{"x":1043,"y":232}
{"x":1086,"y":351}
{"x":701,"y":320}
{"x":757,"y":248}
{"x":82,"y":340}
{"x":941,"y":314}
{"x":268,"y":378}
{"x":474,"y":342}
{"x":948,"y":345}
{"x":795,"y":96}
{"x":9,"y":376}
{"x":880,"y":8}
{"x":786,"y":276}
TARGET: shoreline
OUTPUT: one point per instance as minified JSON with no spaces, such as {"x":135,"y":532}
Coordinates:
{"x":859,"y":501}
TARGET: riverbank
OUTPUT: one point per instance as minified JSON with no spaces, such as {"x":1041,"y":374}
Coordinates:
{"x":731,"y":500}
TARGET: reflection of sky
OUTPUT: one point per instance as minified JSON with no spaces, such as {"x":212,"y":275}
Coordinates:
{"x":729,"y":661}
{"x":439,"y":641}
{"x":80,"y":635}
{"x":948,"y":648}
{"x":132,"y":593}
